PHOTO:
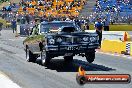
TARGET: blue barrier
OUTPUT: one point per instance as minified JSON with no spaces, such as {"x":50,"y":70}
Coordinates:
{"x":24,"y":29}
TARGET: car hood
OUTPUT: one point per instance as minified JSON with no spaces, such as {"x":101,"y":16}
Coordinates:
{"x":72,"y":34}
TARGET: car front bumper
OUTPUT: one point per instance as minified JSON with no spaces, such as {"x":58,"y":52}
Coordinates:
{"x":75,"y":49}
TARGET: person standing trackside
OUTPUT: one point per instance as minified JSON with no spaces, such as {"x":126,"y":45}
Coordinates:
{"x":1,"y":26}
{"x":106,"y":24}
{"x":14,"y":25}
{"x":98,"y":28}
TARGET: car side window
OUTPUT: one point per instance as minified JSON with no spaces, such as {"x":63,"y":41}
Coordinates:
{"x":69,"y":29}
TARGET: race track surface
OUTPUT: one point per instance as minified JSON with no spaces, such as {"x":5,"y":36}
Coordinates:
{"x":59,"y":74}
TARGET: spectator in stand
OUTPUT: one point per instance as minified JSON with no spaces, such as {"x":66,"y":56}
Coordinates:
{"x":27,"y":18}
{"x":98,"y":28}
{"x":87,"y":23}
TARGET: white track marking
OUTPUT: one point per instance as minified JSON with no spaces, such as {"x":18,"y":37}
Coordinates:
{"x":115,"y":54}
{"x":5,"y":82}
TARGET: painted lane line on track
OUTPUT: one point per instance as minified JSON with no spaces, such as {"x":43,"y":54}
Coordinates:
{"x":115,"y":54}
{"x":5,"y":82}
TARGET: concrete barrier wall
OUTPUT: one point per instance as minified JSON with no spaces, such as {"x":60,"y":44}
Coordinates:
{"x":117,"y":46}
{"x":23,"y":28}
{"x":115,"y":42}
{"x":114,"y":46}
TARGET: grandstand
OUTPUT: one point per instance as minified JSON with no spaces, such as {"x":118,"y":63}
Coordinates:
{"x":113,"y":6}
{"x":52,"y":7}
{"x":119,"y":11}
{"x":88,"y":8}
{"x":131,"y":2}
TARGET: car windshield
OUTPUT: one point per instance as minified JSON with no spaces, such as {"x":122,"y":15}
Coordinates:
{"x":54,"y":26}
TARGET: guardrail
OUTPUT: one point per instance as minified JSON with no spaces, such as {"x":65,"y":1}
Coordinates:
{"x":114,"y":35}
{"x":23,"y":29}
{"x":113,"y":46}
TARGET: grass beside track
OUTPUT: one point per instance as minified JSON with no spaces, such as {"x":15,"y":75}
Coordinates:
{"x":116,"y":27}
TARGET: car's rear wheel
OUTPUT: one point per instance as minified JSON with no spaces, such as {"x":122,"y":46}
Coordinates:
{"x":45,"y":58}
{"x":68,"y":58}
{"x":30,"y":57}
{"x":90,"y":56}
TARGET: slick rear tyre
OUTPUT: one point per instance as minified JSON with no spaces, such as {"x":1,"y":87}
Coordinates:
{"x":90,"y":56}
{"x":68,"y":58}
{"x":30,"y":56}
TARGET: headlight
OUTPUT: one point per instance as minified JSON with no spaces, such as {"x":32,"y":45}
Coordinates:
{"x":51,"y":41}
{"x":59,"y":40}
{"x":85,"y":39}
{"x":93,"y":39}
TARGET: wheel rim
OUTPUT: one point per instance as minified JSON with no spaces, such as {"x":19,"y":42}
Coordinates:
{"x":43,"y":57}
{"x":27,"y":54}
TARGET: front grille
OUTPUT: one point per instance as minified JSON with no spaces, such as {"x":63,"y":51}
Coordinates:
{"x":77,"y":40}
{"x":68,"y":40}
{"x":72,"y":39}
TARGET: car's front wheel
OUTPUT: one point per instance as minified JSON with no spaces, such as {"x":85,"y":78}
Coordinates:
{"x":90,"y":56}
{"x":45,"y":58}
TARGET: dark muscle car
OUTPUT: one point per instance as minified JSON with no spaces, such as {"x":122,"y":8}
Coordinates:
{"x":60,"y":38}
